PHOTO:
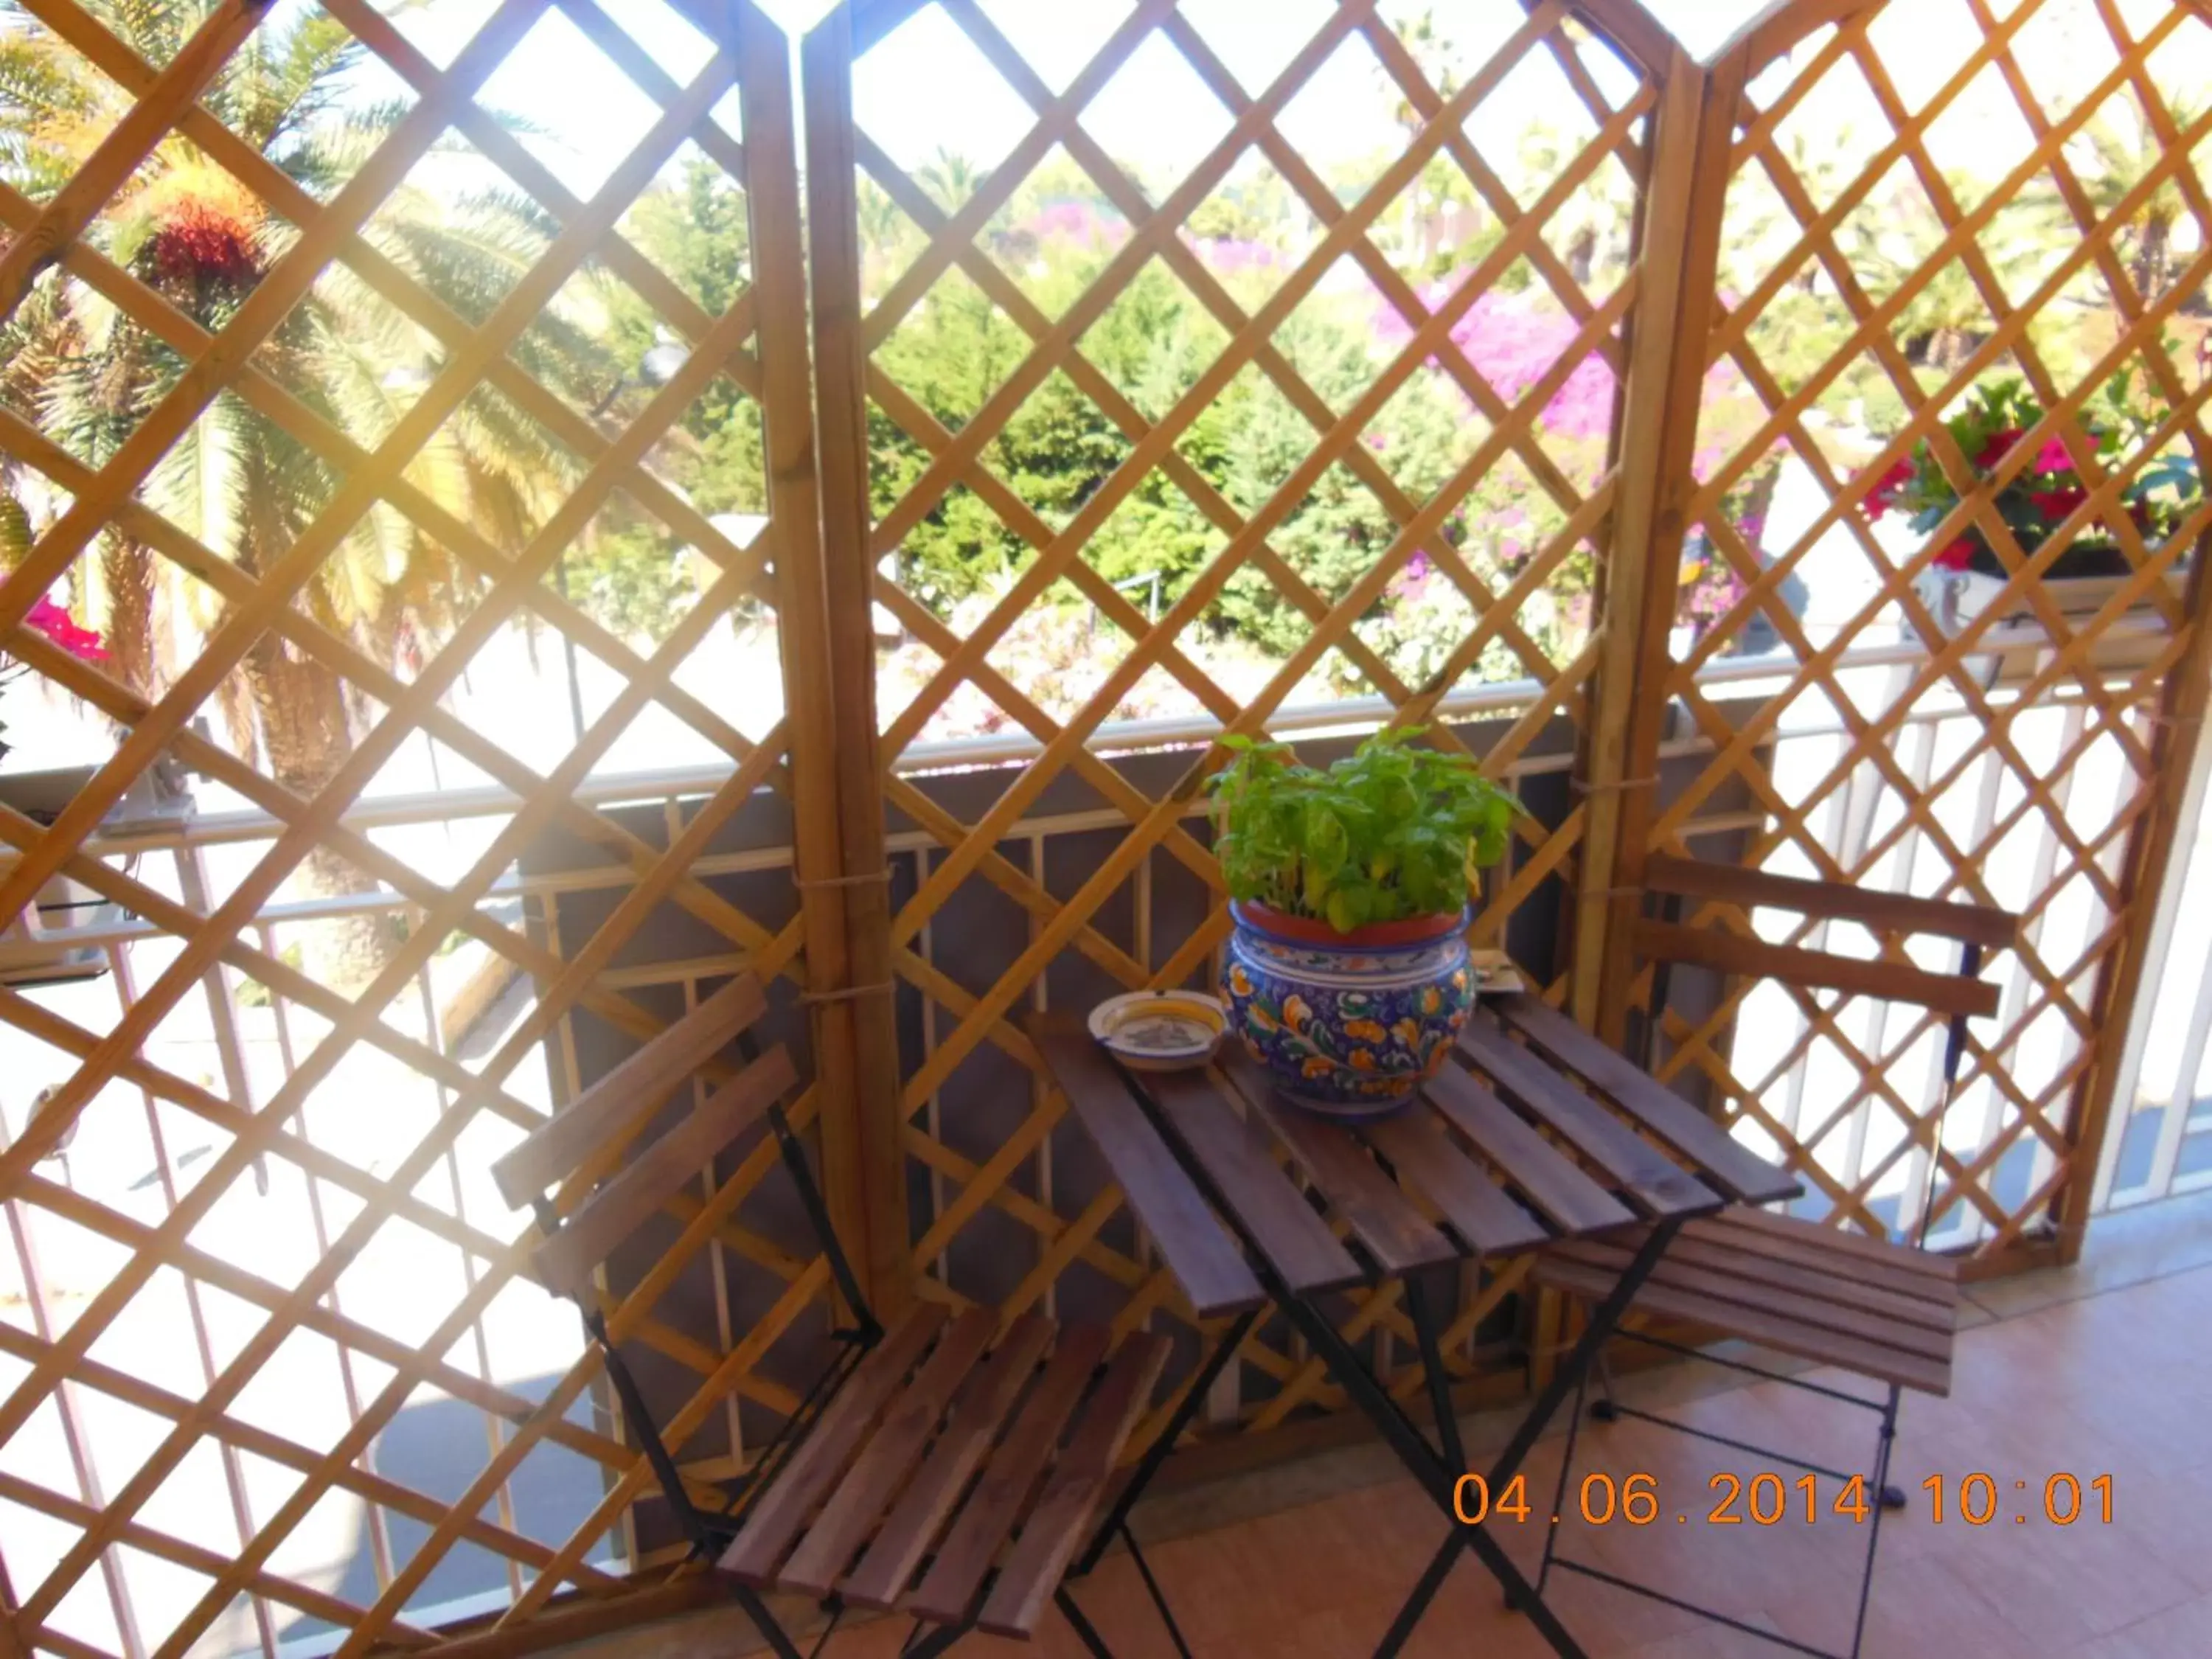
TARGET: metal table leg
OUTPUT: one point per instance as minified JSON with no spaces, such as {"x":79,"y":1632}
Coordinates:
{"x":1568,"y":1379}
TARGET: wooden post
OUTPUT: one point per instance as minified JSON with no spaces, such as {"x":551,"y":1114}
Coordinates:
{"x":844,"y":995}
{"x":841,"y":429}
{"x":2179,"y":724}
{"x":1693,"y":141}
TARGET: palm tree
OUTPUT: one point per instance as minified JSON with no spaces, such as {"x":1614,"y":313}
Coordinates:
{"x":2112,"y":158}
{"x":237,"y":481}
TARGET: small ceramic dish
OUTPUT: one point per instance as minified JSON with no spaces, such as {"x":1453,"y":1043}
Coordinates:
{"x":1160,"y":1031}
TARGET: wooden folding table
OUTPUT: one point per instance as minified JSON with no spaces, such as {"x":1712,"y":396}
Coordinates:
{"x":1535,"y":1135}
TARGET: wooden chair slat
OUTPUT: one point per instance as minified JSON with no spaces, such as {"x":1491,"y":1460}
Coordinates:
{"x":1010,"y":1480}
{"x":892,"y":1455}
{"x":551,"y":1152}
{"x":1815,"y":1312}
{"x":1478,"y":1209}
{"x":1782,"y":1334}
{"x":1560,"y":1192}
{"x":1722,"y":1160}
{"x":1939,"y":1273}
{"x":888,"y":1568}
{"x":1201,"y":1253}
{"x":1832,"y":901}
{"x":565,"y":1261}
{"x":1815,"y":970}
{"x":1235,"y":1154}
{"x":1381,"y":1217}
{"x":1837,"y":1281}
{"x":774,"y":1523}
{"x":1063,"y":1518}
{"x":1650,"y":1182}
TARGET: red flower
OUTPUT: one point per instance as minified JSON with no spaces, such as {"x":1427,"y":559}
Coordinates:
{"x":2056,"y":504}
{"x":1998,"y":447}
{"x":57,"y":625}
{"x":1957,"y":555}
{"x":1887,"y":489}
{"x":2053,"y":457}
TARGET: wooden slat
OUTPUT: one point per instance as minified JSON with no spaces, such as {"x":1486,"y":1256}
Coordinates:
{"x":563,"y":1262}
{"x":775,"y":1521}
{"x":1205,"y":1259}
{"x":1813,"y":1312}
{"x":1062,"y":1519}
{"x":1726,"y":1162}
{"x":1368,"y":1202}
{"x":1837,"y":1281}
{"x":640,"y":1082}
{"x":1824,"y":970}
{"x":890,"y":1456}
{"x":1561,"y":1194}
{"x":1768,"y":1330}
{"x":886,"y":1571}
{"x":1487,"y":1221}
{"x":1834,"y":901}
{"x":1652,"y":1183}
{"x":1238,"y":1157}
{"x":1002,"y":1496}
{"x":1939,"y":1270}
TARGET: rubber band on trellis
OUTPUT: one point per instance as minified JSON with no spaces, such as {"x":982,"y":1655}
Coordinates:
{"x":867,"y":880}
{"x":851,"y":993}
{"x":1584,"y":786}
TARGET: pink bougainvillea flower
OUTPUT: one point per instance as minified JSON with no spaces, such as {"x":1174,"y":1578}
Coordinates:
{"x":1999,"y":445}
{"x":2056,"y":504}
{"x":2053,"y":457}
{"x":1887,"y":489}
{"x":1957,"y":557}
{"x":57,"y":625}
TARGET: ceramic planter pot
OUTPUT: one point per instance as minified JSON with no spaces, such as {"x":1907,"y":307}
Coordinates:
{"x":1348,"y":1023}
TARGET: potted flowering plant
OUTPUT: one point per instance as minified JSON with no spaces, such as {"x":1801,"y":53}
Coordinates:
{"x":2041,"y":495}
{"x":1347,"y":974}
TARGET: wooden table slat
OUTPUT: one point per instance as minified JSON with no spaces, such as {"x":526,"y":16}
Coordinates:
{"x":1480,"y":1212}
{"x":1205,"y":1259}
{"x":1651,"y":1181}
{"x":1560,"y":1192}
{"x":1384,"y":1219}
{"x":1235,"y":1154}
{"x":1725,"y":1161}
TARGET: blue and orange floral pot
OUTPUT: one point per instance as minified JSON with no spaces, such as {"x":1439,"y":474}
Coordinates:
{"x":1348,"y":1024}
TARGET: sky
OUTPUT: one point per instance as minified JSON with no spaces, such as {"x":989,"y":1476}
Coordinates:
{"x":928,"y":87}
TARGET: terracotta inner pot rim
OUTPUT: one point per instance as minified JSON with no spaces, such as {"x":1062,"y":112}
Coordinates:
{"x":1407,"y":931}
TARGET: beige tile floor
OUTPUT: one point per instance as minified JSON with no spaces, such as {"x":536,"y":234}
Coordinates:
{"x":2084,"y":1372}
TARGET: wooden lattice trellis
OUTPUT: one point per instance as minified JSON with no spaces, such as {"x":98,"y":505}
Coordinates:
{"x":756,"y":344}
{"x":805,"y":342}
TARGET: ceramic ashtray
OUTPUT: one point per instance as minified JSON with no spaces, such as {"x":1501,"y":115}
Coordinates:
{"x":1160,"y":1031}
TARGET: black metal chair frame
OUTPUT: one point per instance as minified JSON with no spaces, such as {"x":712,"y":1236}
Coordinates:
{"x":1886,"y":1409}
{"x":710,"y":1534}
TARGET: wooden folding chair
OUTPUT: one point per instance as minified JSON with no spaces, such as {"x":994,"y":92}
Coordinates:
{"x":1884,"y":1311}
{"x":943,"y":1467}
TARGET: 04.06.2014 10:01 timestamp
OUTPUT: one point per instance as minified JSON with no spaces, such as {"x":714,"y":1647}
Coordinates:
{"x":1767,"y":1500}
{"x":1975,"y":1499}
